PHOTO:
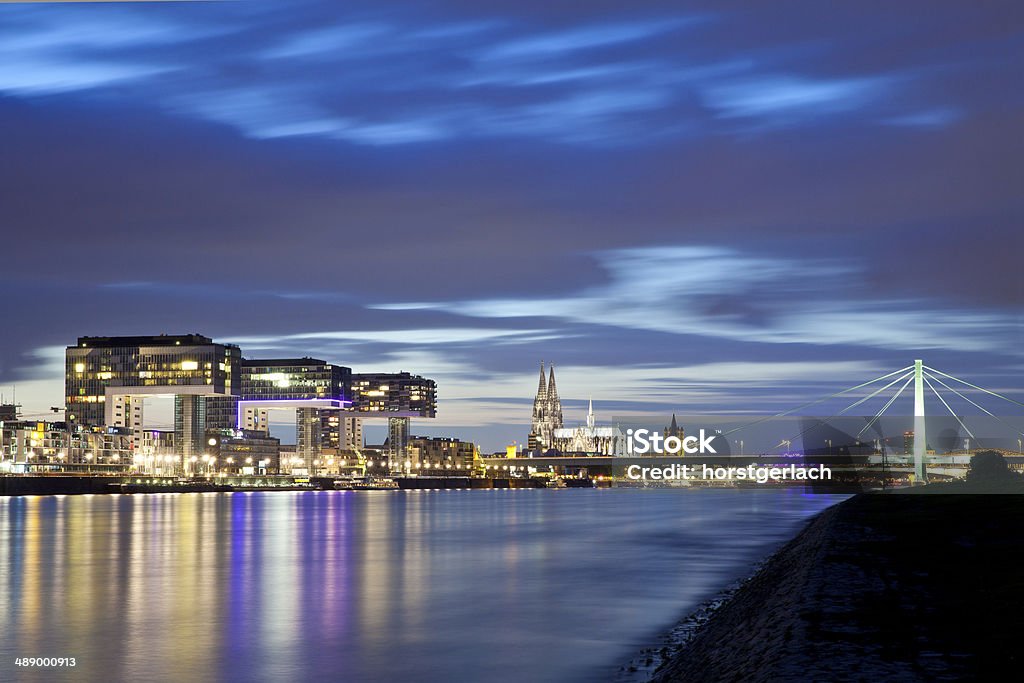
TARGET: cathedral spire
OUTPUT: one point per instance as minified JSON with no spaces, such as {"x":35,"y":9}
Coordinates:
{"x":590,"y":414}
{"x":554,"y":403}
{"x":542,"y":391}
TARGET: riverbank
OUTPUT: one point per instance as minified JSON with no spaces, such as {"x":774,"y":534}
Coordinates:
{"x":909,"y":587}
{"x":62,"y":484}
{"x":70,"y":485}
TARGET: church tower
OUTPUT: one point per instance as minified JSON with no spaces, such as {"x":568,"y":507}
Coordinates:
{"x":547,"y":413}
{"x":554,"y":403}
{"x":540,"y":404}
{"x":673,"y":429}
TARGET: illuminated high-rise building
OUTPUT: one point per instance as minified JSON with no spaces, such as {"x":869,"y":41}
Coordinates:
{"x":107,"y":380}
{"x":397,"y":396}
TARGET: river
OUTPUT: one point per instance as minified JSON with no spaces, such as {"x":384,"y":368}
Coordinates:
{"x":427,"y":586}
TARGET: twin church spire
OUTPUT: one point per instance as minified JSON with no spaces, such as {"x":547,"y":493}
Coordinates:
{"x":547,"y":411}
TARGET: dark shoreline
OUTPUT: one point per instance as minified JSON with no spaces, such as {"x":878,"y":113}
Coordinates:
{"x":908,"y":587}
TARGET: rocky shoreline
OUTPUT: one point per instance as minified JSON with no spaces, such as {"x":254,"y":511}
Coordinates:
{"x":650,"y":659}
{"x":898,"y":587}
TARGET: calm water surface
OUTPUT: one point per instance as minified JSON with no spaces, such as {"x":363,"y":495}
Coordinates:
{"x":517,"y":585}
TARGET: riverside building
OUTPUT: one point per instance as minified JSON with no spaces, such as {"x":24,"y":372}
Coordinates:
{"x":441,"y":455}
{"x":316,"y":390}
{"x":107,"y":379}
{"x":590,"y":439}
{"x":549,"y":433}
{"x":398,"y":397}
{"x":40,"y":446}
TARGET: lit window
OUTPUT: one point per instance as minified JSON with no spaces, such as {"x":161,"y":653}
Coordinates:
{"x":79,"y":367}
{"x":189,"y":365}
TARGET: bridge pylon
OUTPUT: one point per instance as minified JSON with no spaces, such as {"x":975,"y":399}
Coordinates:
{"x":920,"y":435}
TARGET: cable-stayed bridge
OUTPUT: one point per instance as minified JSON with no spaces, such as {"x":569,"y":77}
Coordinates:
{"x":932,"y":388}
{"x":922,"y":377}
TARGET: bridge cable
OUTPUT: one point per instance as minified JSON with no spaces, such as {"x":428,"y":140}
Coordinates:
{"x":939,"y":396}
{"x":849,"y":407}
{"x":976,"y":405}
{"x":885,"y":407}
{"x":820,"y":400}
{"x":872,"y":395}
{"x":974,"y":386}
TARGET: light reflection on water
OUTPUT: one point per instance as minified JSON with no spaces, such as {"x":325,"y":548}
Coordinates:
{"x":513,"y":585}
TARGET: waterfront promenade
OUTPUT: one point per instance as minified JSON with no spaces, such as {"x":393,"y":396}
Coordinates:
{"x":884,"y":587}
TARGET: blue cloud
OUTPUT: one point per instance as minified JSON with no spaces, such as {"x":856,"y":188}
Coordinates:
{"x":728,"y":294}
{"x":930,"y":118}
{"x":546,"y":45}
{"x":331,"y":41}
{"x":397,"y":77}
{"x":793,"y":96}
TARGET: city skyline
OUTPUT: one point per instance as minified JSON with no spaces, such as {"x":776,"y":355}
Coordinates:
{"x":708,"y":209}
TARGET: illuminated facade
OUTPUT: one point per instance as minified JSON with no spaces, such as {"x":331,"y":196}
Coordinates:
{"x":315,"y":389}
{"x":591,"y":439}
{"x":547,"y":413}
{"x":31,"y":446}
{"x":97,"y":368}
{"x":341,"y":431}
{"x":107,"y":379}
{"x":293,"y":378}
{"x":277,"y":380}
{"x":398,"y":393}
{"x":428,"y":455}
{"x":396,"y":396}
{"x":240,"y":451}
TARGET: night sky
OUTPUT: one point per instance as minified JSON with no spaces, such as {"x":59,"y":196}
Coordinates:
{"x":703,"y":206}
